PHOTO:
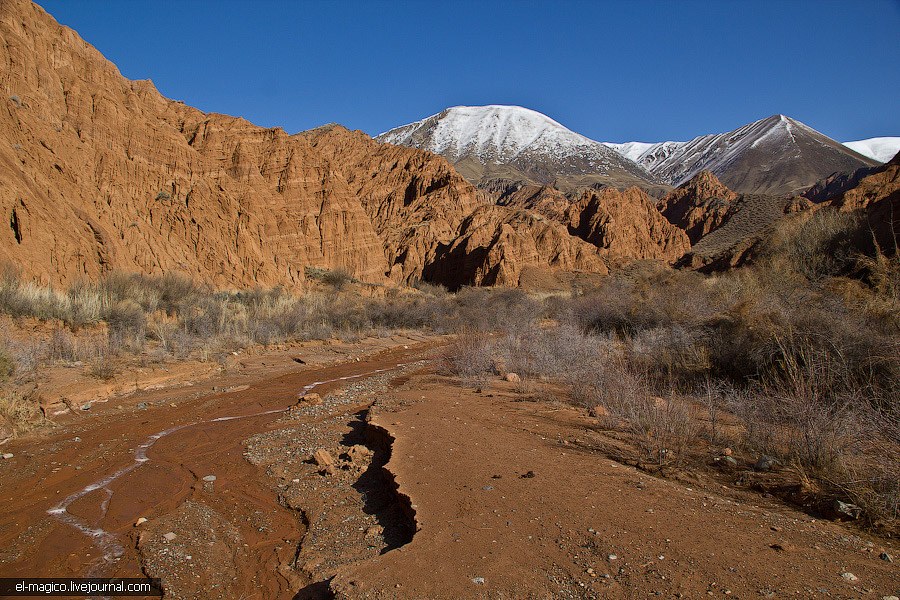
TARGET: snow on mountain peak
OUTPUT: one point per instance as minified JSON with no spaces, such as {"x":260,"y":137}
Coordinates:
{"x":494,"y":132}
{"x":881,"y":149}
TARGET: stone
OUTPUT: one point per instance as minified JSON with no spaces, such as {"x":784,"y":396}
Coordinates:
{"x":311,"y":399}
{"x":513,"y":378}
{"x":849,"y":577}
{"x":8,"y":455}
{"x":727,"y":452}
{"x":324,"y":460}
{"x":765,"y":463}
{"x":140,"y":521}
{"x":86,"y":406}
{"x":142,"y":406}
{"x":886,"y":557}
{"x":170,"y":536}
{"x":890,"y":598}
{"x":845,"y":510}
{"x":209,"y":478}
{"x":612,"y":557}
{"x":374,"y":530}
{"x":727,"y":462}
{"x":478,"y":580}
{"x":359,"y":454}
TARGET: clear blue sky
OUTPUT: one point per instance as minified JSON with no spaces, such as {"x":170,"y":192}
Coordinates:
{"x":614,"y":71}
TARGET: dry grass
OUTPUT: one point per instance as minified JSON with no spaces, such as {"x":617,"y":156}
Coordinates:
{"x":18,"y":414}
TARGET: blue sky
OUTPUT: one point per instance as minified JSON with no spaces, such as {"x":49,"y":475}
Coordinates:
{"x":614,"y":71}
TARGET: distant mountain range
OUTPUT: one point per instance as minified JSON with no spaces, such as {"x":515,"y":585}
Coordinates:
{"x":496,"y":145}
{"x":776,"y":156}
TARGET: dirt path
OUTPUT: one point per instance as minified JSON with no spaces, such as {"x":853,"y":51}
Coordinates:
{"x":516,"y":500}
{"x":436,"y":492}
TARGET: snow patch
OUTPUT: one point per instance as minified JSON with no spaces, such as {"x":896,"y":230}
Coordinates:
{"x":882,"y":149}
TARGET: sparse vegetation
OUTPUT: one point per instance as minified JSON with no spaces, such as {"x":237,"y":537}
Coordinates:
{"x":799,"y":355}
{"x":796,"y":357}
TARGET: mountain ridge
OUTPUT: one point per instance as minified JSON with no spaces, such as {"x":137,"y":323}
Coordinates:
{"x":776,"y":155}
{"x":518,"y":144}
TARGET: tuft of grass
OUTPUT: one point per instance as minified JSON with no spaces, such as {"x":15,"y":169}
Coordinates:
{"x":20,"y":413}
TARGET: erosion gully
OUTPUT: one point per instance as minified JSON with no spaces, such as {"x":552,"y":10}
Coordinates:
{"x":59,"y":521}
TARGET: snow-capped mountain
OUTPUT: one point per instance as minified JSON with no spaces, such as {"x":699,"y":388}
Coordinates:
{"x":881,"y":149}
{"x":518,"y":144}
{"x":776,"y":155}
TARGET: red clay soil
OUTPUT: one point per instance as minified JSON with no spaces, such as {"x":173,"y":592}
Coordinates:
{"x":47,"y":470}
{"x":505,"y":498}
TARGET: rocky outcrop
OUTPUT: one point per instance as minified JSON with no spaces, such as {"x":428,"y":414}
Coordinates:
{"x":101,"y":174}
{"x":496,"y":244}
{"x":877,"y":196}
{"x":545,"y":200}
{"x":415,"y":200}
{"x":699,"y":205}
{"x":98,"y":173}
{"x":625,"y":225}
{"x":878,"y":185}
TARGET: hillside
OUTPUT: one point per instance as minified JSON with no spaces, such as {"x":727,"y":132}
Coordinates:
{"x":773,"y":156}
{"x":101,"y":174}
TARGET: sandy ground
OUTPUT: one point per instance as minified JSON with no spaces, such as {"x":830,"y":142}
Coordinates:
{"x":429,"y":490}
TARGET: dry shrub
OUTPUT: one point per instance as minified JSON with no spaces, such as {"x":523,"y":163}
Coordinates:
{"x":63,"y":346}
{"x":7,"y":364}
{"x":338,"y":278}
{"x":471,"y":358}
{"x":20,"y":413}
{"x":819,"y":247}
{"x":661,"y":427}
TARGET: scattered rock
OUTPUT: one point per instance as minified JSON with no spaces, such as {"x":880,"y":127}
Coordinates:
{"x":170,"y":536}
{"x":8,"y":455}
{"x":298,"y":360}
{"x":845,"y":510}
{"x":140,"y":521}
{"x":527,"y":475}
{"x":142,"y":406}
{"x":886,"y":557}
{"x":488,"y":488}
{"x":765,"y":463}
{"x":311,"y":399}
{"x":890,"y":598}
{"x":781,"y":546}
{"x":374,"y":531}
{"x":612,"y":557}
{"x":86,"y":406}
{"x":209,"y":478}
{"x":478,"y":580}
{"x":849,"y":577}
{"x":727,"y":462}
{"x":359,"y":454}
{"x":513,"y":378}
{"x":324,"y":460}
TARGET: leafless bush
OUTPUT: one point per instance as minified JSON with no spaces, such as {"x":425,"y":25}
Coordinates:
{"x":671,"y":355}
{"x":20,"y":413}
{"x":338,"y":278}
{"x":471,"y":358}
{"x":62,"y":346}
{"x":821,"y":247}
{"x":101,"y":361}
